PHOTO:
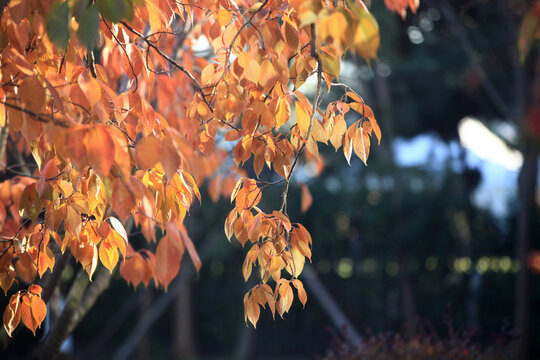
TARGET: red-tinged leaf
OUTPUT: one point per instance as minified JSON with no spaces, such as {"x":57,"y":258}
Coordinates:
{"x":302,"y":118}
{"x":284,"y":220}
{"x":291,"y":36}
{"x":100,"y":149}
{"x":206,"y":143}
{"x":168,"y":258}
{"x":25,"y":268}
{"x":254,"y":227}
{"x":135,"y":270}
{"x":32,"y":94}
{"x":176,"y":236}
{"x":191,"y":250}
{"x":12,"y":314}
{"x":148,"y":152}
{"x":49,"y":170}
{"x":307,"y":199}
{"x":170,"y":160}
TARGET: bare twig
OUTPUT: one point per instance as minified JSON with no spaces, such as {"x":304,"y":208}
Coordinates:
{"x":171,"y":61}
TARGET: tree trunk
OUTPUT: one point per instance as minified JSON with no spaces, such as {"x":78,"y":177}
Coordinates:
{"x":184,"y":345}
{"x":526,"y":191}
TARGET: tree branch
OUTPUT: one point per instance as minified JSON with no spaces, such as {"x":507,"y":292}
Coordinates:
{"x":171,"y":61}
{"x":461,"y":33}
{"x":316,"y":56}
{"x":4,"y":133}
{"x":51,"y":346}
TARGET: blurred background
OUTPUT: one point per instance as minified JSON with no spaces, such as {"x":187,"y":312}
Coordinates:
{"x":427,"y":246}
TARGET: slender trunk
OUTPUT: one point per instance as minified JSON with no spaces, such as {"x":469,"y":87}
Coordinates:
{"x":334,"y":312}
{"x":407,"y":298}
{"x":526,"y":191}
{"x":143,"y":345}
{"x":184,"y":344}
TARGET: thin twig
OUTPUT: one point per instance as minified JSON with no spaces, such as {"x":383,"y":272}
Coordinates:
{"x":170,"y":60}
{"x":315,"y":55}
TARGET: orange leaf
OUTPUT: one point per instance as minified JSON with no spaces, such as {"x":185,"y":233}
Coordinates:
{"x":39,"y":309}
{"x":100,"y":149}
{"x":191,"y":250}
{"x":224,"y":17}
{"x":168,"y":258}
{"x":283,"y":111}
{"x":307,"y":199}
{"x":148,"y":152}
{"x":32,"y":94}
{"x":302,"y":296}
{"x":90,"y":87}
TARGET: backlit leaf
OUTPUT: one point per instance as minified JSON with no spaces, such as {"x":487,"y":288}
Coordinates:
{"x":58,"y":23}
{"x":115,"y":10}
{"x":88,"y":31}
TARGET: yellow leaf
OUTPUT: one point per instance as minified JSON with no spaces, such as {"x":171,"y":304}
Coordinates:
{"x":302,"y":118}
{"x":224,"y":17}
{"x":366,"y":38}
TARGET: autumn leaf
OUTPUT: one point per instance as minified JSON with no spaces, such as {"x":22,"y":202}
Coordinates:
{"x":12,"y":314}
{"x":168,"y":258}
{"x":100,"y":150}
{"x":32,"y":94}
{"x":131,"y":133}
{"x":307,"y":199}
{"x":302,"y":118}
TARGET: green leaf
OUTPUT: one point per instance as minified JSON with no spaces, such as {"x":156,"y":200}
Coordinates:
{"x":58,"y":23}
{"x":116,"y":10}
{"x":88,"y":32}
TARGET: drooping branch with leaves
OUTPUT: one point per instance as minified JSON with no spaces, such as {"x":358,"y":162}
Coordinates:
{"x":110,"y":113}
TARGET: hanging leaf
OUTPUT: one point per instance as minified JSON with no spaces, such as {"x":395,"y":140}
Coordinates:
{"x":116,"y":10}
{"x":58,"y":23}
{"x":88,"y":31}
